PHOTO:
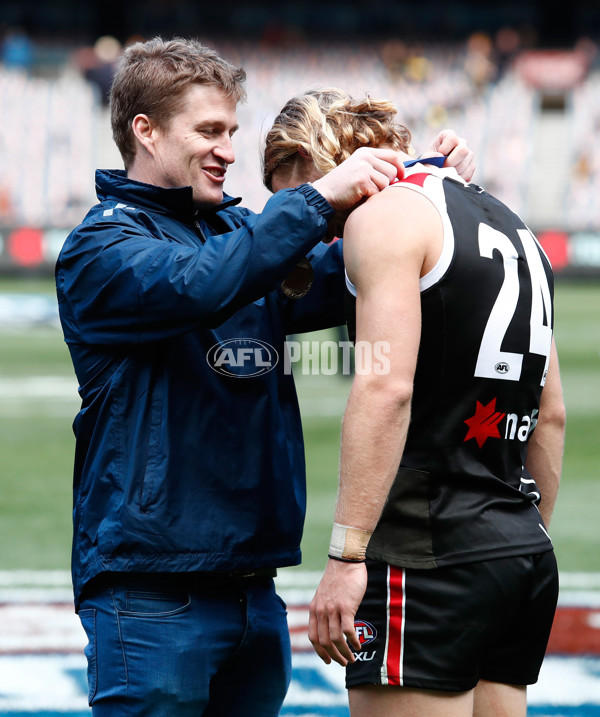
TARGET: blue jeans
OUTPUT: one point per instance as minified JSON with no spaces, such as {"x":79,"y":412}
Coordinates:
{"x":177,"y":646}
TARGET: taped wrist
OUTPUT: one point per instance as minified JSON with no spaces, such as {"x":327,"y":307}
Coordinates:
{"x":349,"y":544}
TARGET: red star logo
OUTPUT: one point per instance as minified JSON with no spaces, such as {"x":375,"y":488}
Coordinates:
{"x":484,"y":424}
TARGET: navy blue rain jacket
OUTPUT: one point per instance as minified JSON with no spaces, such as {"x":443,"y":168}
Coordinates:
{"x":179,"y":467}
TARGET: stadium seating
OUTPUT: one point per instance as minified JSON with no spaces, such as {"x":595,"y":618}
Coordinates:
{"x":46,"y":144}
{"x":53,"y":130}
{"x":583,"y":184}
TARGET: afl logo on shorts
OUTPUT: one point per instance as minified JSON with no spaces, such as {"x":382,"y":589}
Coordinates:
{"x":365,"y":632}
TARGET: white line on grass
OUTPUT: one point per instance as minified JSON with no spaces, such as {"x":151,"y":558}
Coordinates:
{"x":38,"y":387}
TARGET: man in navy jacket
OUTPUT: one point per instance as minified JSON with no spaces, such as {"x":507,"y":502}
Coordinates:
{"x":189,"y":484}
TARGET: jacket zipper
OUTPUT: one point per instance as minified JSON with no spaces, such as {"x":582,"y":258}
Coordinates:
{"x":199,"y":231}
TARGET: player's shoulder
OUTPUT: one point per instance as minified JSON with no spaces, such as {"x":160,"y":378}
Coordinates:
{"x":394,"y":204}
{"x":390,"y":225}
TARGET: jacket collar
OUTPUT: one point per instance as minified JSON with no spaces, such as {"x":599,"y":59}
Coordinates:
{"x":176,"y":201}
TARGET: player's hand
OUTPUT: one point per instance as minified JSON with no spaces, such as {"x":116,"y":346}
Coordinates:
{"x":367,"y":171}
{"x":457,"y":153}
{"x":332,"y":610}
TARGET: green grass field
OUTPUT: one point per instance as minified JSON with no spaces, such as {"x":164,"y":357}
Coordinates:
{"x":38,"y":401}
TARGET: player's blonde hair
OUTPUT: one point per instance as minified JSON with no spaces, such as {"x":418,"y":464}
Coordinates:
{"x":328,"y":125}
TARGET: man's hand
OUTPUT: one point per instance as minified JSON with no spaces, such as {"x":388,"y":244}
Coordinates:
{"x":456,"y":151}
{"x":367,"y":171}
{"x":332,"y":611}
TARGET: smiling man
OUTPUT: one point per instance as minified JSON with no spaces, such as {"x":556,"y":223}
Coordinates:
{"x":194,"y":149}
{"x":189,"y":483}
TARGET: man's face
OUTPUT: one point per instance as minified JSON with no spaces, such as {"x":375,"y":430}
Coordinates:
{"x":195,"y":149}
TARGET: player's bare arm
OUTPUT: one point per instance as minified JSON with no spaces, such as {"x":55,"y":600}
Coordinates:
{"x":546,"y":445}
{"x":388,"y":243}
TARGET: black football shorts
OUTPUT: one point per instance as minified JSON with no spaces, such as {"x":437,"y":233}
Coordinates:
{"x":449,"y":627}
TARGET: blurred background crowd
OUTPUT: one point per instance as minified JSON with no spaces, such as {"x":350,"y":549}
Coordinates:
{"x":520,"y":80}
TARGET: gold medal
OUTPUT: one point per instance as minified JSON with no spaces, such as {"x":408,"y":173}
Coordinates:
{"x":298,"y":282}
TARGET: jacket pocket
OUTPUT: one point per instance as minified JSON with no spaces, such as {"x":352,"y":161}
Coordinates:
{"x":155,"y":457}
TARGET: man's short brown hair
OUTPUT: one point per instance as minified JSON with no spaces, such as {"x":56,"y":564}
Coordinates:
{"x":151,"y":78}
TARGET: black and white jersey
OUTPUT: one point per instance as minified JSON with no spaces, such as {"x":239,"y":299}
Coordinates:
{"x":462,"y":492}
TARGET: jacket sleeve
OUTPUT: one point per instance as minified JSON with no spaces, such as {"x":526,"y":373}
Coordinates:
{"x":119,"y":281}
{"x":323,"y":306}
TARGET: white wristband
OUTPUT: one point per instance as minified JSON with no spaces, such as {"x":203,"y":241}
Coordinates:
{"x":348,"y":543}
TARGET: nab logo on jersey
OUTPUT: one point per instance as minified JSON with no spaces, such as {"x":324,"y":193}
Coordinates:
{"x":484,"y":424}
{"x":365,"y":632}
